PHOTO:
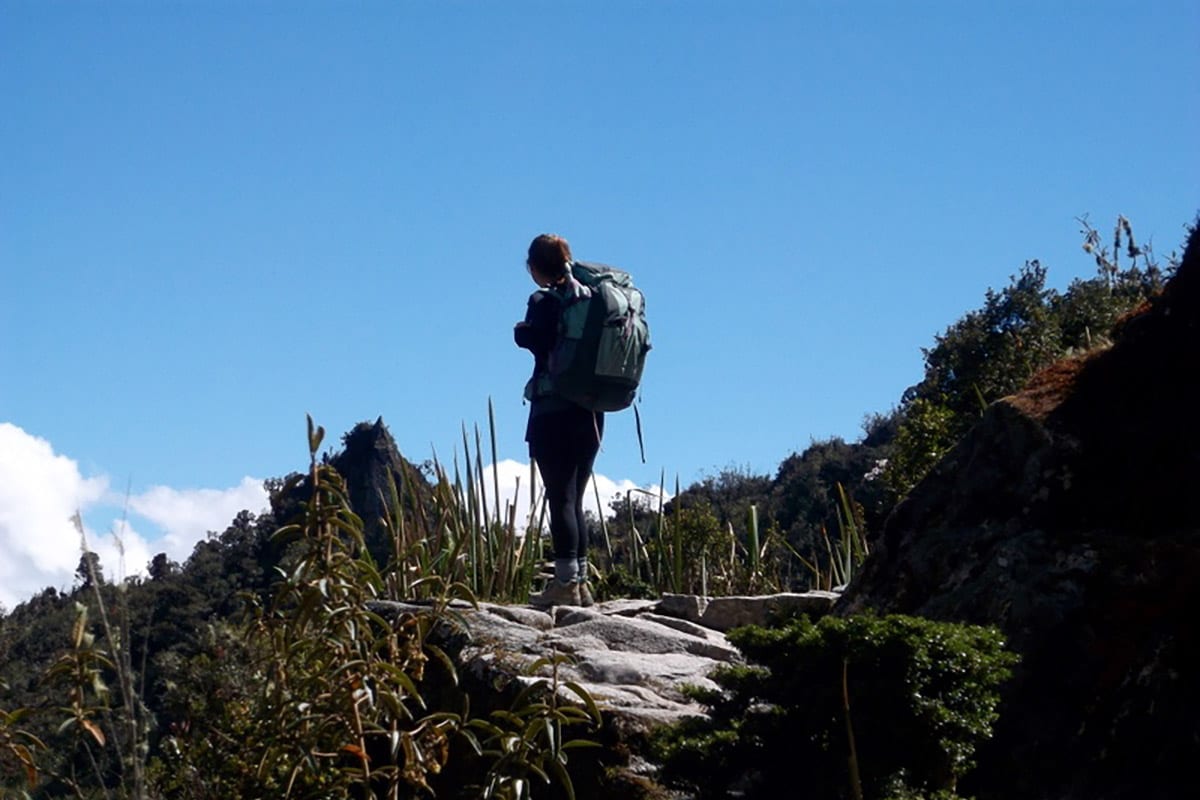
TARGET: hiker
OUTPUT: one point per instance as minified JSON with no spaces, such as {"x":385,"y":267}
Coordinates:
{"x":563,"y":437}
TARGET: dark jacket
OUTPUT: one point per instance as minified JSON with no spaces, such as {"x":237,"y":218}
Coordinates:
{"x":538,"y":334}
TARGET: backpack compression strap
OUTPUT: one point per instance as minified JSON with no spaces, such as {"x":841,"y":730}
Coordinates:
{"x":641,"y":445}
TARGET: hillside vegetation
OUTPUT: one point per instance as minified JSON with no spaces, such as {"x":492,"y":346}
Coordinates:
{"x":254,"y":668}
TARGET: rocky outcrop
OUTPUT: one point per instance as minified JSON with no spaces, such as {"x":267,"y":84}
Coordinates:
{"x":1068,"y":518}
{"x":370,"y":463}
{"x":631,"y":656}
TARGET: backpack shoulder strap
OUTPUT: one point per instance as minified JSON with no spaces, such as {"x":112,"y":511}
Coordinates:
{"x":570,"y":292}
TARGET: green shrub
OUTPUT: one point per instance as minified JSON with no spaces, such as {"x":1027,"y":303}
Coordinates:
{"x":18,"y":750}
{"x":317,"y":695}
{"x":619,"y":582}
{"x":847,"y":707}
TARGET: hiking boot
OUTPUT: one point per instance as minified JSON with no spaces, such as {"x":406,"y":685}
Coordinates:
{"x":585,"y":596}
{"x":556,"y":594}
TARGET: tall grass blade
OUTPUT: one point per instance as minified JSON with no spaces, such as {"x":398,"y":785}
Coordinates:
{"x":603,"y":520}
{"x":752,"y":535}
{"x":495,"y":462}
{"x":835,"y":567}
{"x":395,"y":525}
{"x":466,"y":507}
{"x":483,"y":531}
{"x":677,"y":542}
{"x":855,"y":548}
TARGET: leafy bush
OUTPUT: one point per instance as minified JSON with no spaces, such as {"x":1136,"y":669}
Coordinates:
{"x":928,"y":431}
{"x":847,"y":707}
{"x":619,"y":582}
{"x":319,"y":695}
{"x":994,"y":350}
{"x":321,"y":698}
{"x":527,"y":744}
{"x":17,"y":747}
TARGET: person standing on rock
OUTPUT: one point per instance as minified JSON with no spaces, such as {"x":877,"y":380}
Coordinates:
{"x":563,"y":437}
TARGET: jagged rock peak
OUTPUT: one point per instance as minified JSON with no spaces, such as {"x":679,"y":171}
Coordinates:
{"x":371,"y":464}
{"x":368,"y":438}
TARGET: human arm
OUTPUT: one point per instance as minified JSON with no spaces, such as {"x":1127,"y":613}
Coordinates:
{"x":539,"y":329}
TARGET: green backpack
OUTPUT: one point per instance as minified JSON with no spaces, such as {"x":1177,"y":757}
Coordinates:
{"x":603,"y":338}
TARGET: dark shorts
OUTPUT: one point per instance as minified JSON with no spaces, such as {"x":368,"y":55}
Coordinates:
{"x":571,"y":429}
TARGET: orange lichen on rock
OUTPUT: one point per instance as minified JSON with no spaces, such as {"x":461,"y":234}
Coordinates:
{"x":1048,"y":388}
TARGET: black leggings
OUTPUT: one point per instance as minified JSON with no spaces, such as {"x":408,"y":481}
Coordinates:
{"x":564,"y":445}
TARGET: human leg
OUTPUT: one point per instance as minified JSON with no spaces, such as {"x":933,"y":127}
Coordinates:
{"x":558,"y":478}
{"x":564,"y":445}
{"x":552,"y":451}
{"x":587,"y":448}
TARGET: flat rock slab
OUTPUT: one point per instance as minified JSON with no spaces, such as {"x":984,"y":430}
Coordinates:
{"x":632,"y":656}
{"x":726,"y":613}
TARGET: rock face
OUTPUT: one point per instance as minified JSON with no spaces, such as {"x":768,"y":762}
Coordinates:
{"x":367,"y":461}
{"x":1068,"y":517}
{"x":632,"y":656}
{"x":370,"y":463}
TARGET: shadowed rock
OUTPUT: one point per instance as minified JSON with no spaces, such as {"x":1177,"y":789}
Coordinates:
{"x":370,"y":463}
{"x":1068,"y":518}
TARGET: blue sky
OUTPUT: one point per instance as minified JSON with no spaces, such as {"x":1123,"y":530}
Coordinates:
{"x":217,"y":217}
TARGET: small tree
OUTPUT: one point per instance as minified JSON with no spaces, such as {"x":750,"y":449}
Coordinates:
{"x":994,"y":350}
{"x":89,"y":573}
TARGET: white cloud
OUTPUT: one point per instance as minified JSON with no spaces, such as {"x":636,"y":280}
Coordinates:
{"x":610,"y":490}
{"x":40,"y":492}
{"x":186,"y":516}
{"x":122,"y":550}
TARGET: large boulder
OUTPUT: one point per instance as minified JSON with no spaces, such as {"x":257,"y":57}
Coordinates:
{"x":631,"y":656}
{"x":1067,"y":518}
{"x":632,"y":665}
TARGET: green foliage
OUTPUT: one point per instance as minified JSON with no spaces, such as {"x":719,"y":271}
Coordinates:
{"x":740,"y":533}
{"x":323,"y":698}
{"x":18,"y":748}
{"x":909,"y":698}
{"x":619,"y":582}
{"x":461,"y":529}
{"x":690,"y":545}
{"x":698,"y":554}
{"x":805,"y":503}
{"x":635,"y":523}
{"x":703,"y":548}
{"x":263,"y":661}
{"x":319,"y":696}
{"x":526,"y":743}
{"x":929,"y":430}
{"x":99,"y":736}
{"x":991,"y":352}
{"x":730,"y":494}
{"x":78,"y":673}
{"x":994,"y":350}
{"x":848,"y":553}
